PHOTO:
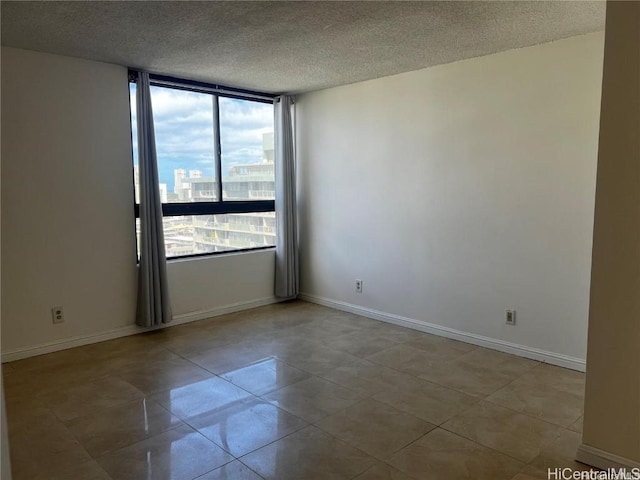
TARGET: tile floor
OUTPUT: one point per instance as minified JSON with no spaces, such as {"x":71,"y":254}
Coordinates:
{"x":290,"y":391}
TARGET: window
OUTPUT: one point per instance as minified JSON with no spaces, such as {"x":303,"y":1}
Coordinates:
{"x":215,"y":166}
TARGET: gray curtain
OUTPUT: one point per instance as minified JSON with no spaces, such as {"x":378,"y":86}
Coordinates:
{"x":286,"y":281}
{"x":153,"y":307}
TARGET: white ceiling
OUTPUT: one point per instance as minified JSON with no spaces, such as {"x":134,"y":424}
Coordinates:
{"x":289,"y":46}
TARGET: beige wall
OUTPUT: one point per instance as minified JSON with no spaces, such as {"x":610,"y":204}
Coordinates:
{"x":459,"y":191}
{"x":67,"y":212}
{"x":612,"y":404}
{"x":66,"y":198}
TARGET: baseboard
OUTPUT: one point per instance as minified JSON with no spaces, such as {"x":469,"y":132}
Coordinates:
{"x":81,"y":340}
{"x":225,"y":309}
{"x":604,"y":460}
{"x":513,"y":348}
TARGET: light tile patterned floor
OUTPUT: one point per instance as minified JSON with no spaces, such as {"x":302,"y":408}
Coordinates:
{"x":290,"y":391}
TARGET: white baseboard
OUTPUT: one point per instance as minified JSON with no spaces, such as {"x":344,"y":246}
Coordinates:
{"x":78,"y":341}
{"x":225,"y":309}
{"x":603,"y":460}
{"x":495,"y":344}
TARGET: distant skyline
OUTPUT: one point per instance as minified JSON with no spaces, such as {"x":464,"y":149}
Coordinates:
{"x":183,"y":123}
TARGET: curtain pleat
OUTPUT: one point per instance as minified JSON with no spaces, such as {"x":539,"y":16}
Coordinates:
{"x":286,"y":274}
{"x":153,"y":306}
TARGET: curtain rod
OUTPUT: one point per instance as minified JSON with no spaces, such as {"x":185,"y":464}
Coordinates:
{"x":204,"y":87}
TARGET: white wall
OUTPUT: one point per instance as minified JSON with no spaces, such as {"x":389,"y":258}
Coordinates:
{"x":208,"y":285}
{"x":458,"y":191}
{"x":67,"y":212}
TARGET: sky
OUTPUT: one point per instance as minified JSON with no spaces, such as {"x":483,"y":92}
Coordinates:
{"x":183,"y":123}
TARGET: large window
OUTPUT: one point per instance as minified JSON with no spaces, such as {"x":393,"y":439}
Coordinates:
{"x":215,"y":166}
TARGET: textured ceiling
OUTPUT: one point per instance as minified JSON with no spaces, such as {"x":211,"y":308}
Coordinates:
{"x":289,"y":46}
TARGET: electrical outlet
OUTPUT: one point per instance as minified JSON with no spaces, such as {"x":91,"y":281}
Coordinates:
{"x":511,"y":317}
{"x":358,"y":286}
{"x":57,"y":315}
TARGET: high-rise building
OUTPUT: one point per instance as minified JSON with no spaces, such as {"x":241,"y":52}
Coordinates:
{"x":215,"y":233}
{"x":181,"y":185}
{"x":136,"y":187}
{"x":188,"y":235}
{"x":163,"y":193}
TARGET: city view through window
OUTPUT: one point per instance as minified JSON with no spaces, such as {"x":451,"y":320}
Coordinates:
{"x":185,"y":144}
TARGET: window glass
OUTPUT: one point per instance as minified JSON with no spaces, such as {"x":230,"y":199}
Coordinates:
{"x":200,"y":234}
{"x":185,"y":124}
{"x":246,"y":138}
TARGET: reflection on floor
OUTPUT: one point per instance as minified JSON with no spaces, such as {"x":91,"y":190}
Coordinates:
{"x":290,"y":391}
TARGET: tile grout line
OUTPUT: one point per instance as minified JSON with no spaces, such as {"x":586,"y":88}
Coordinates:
{"x":319,"y":376}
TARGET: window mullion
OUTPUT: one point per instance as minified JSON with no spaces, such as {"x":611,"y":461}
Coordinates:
{"x":216,"y":147}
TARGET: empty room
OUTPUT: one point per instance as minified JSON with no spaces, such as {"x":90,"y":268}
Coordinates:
{"x":291,"y":240}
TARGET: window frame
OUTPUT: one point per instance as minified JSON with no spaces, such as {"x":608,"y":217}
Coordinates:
{"x":220,"y":206}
